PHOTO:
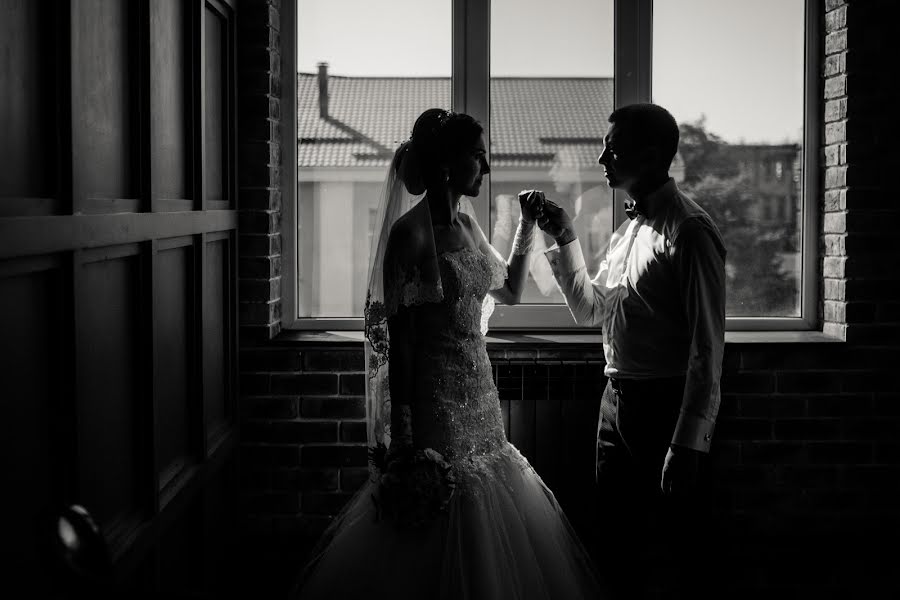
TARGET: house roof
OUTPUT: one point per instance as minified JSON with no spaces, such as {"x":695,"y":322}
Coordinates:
{"x":535,"y":122}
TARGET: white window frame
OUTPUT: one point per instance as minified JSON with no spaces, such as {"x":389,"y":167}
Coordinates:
{"x":470,"y":93}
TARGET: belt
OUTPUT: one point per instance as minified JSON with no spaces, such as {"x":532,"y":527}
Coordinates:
{"x":618,"y":384}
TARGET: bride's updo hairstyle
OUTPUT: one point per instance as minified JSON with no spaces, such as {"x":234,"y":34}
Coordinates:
{"x":438,"y":136}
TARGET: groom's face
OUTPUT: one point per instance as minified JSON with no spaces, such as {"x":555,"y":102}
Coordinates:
{"x":618,"y":159}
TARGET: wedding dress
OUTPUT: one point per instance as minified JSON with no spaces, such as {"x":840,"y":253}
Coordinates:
{"x":502,"y":534}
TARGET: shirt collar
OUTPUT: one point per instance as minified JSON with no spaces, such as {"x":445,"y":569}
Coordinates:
{"x":650,"y":205}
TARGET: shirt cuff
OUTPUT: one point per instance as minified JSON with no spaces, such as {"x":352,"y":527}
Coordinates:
{"x":693,"y":432}
{"x":566,"y":259}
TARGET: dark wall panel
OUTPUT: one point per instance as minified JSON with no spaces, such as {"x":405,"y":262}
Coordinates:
{"x":181,"y":555}
{"x":27,"y":107}
{"x":220,"y":508}
{"x":31,"y":390}
{"x":216,"y":336}
{"x":102,"y":123}
{"x":214,"y":32}
{"x":109,"y":393}
{"x":113,"y":348}
{"x":169,"y":66}
{"x":174,"y":322}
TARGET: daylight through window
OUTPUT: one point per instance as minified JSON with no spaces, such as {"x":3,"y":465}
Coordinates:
{"x":365,"y":72}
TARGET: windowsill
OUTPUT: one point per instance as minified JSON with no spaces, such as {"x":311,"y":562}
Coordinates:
{"x":555,"y":339}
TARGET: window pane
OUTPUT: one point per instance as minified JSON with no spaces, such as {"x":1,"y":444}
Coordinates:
{"x":732,"y":72}
{"x":366,"y":71}
{"x":551,"y":93}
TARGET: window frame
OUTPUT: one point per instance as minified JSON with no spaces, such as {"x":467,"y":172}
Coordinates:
{"x":632,"y":77}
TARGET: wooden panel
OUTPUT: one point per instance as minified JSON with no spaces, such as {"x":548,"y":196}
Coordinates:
{"x":181,"y":554}
{"x":170,"y":63}
{"x":33,"y":373}
{"x":216,"y":337}
{"x":215,"y":104}
{"x":43,"y":235}
{"x":27,"y":107}
{"x":108,"y":331}
{"x":103,"y":111}
{"x":173,"y":310}
{"x":220,"y":510}
{"x":102,"y":123}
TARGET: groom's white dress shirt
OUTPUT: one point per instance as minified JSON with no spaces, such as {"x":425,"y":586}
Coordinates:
{"x":659,"y":297}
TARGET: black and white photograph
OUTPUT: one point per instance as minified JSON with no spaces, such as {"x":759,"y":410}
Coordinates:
{"x":450,"y":299}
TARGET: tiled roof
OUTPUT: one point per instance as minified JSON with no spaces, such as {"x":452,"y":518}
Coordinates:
{"x":535,"y":122}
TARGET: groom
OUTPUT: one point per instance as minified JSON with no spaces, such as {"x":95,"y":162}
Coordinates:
{"x":659,"y":298}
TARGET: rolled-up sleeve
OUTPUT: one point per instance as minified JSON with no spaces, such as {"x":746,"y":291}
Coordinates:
{"x":700,"y":260}
{"x":584,"y":296}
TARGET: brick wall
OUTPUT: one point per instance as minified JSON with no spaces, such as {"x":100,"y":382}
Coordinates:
{"x":259,"y":168}
{"x":861,"y":156}
{"x":260,"y":137}
{"x":807,"y":453}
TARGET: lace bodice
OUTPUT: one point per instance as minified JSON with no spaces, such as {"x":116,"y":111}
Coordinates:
{"x":457,"y":410}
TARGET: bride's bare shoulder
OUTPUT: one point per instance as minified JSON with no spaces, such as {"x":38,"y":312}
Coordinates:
{"x":472,"y":227}
{"x":406,"y":234}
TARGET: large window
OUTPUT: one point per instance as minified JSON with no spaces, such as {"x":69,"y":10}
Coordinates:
{"x":543,"y":78}
{"x":366,"y":70}
{"x":738,"y":94}
{"x":551,"y":90}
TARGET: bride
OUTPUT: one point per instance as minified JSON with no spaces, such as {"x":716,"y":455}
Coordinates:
{"x":452,"y":509}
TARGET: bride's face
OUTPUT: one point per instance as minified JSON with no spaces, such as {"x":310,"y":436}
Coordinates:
{"x":468,"y":170}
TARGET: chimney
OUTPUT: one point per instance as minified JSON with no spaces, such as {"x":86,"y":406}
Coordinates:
{"x":323,"y":90}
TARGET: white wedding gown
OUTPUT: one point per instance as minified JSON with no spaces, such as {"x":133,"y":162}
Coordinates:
{"x":504,"y":535}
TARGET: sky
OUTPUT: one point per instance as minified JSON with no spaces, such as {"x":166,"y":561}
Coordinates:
{"x":737,"y":64}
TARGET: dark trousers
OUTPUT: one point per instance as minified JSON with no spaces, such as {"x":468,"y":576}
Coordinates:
{"x":650,"y":545}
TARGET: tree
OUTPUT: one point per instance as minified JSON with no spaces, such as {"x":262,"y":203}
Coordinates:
{"x":758,"y":284}
{"x":702,"y":152}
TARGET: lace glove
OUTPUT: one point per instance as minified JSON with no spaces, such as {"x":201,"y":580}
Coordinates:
{"x":523,"y":243}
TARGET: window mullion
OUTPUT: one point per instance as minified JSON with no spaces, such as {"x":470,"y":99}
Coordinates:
{"x":633,"y":69}
{"x":809,"y":215}
{"x":471,"y":72}
{"x":290,"y":275}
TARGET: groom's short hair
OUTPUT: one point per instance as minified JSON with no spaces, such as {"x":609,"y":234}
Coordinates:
{"x":649,"y":125}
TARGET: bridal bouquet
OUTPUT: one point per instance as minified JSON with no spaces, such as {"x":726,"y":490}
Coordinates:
{"x":415,"y":486}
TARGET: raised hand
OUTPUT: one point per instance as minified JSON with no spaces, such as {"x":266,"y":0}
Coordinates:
{"x":531,"y":204}
{"x":556,"y":222}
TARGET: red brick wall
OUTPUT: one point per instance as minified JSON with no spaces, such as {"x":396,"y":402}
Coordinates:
{"x":807,"y":452}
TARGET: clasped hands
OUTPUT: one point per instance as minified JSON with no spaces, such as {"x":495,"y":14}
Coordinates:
{"x":549,"y":216}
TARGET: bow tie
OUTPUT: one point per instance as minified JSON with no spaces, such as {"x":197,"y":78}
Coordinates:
{"x":632,"y":208}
